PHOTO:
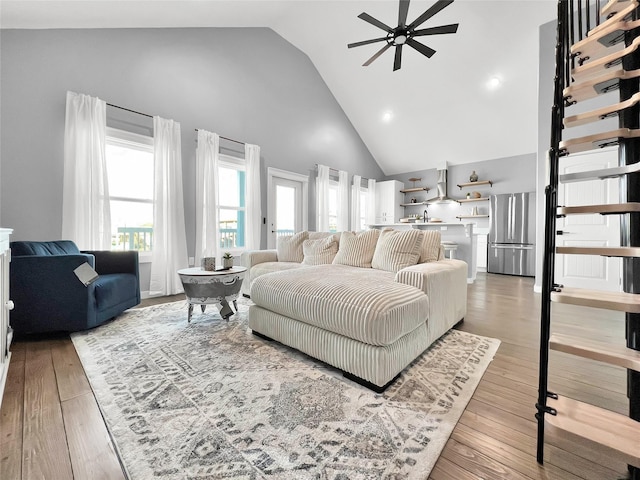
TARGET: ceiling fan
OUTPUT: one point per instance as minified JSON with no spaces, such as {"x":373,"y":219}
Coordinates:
{"x":404,"y":34}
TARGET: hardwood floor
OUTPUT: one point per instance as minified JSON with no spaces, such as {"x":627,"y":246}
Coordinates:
{"x":51,"y":428}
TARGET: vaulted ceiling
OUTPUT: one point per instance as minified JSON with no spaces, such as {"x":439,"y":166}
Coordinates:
{"x":432,"y":111}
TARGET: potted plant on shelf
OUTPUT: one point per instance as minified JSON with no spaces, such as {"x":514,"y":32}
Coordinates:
{"x":227,"y":260}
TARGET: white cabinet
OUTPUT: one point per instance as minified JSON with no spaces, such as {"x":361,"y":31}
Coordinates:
{"x":6,"y":333}
{"x":388,"y":200}
{"x":481,"y":249}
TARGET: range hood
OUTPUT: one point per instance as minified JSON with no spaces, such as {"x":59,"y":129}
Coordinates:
{"x":442,"y":189}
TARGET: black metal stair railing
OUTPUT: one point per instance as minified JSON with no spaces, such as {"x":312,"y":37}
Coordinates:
{"x":562,"y":73}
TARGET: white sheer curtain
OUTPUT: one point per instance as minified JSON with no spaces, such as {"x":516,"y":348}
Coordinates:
{"x":371,"y":202}
{"x":322,"y":199}
{"x":207,"y":164}
{"x":343,"y":201}
{"x":355,"y":203}
{"x":169,"y":236}
{"x":86,"y":217}
{"x":253,"y":199}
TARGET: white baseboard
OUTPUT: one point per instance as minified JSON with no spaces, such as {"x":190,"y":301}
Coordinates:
{"x":145,"y":294}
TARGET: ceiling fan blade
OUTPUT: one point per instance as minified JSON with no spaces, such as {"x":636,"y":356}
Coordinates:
{"x":374,"y":21}
{"x":397,"y":62}
{"x":453,"y":28}
{"x":423,"y":49}
{"x":376,"y":55}
{"x":435,"y":8}
{"x":366,"y":42}
{"x":402,"y":13}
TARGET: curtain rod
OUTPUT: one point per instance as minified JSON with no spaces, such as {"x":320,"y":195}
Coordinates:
{"x":129,"y":110}
{"x":336,"y":170}
{"x":229,"y":139}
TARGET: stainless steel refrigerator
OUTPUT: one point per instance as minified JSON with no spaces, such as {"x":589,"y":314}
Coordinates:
{"x":512,"y":232}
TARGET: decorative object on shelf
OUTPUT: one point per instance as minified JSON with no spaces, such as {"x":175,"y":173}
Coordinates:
{"x":208,"y":263}
{"x":227,"y":260}
{"x":468,"y":194}
{"x":474,"y":211}
{"x":475,"y":195}
{"x":414,"y":180}
{"x":414,"y":200}
{"x":473,"y":177}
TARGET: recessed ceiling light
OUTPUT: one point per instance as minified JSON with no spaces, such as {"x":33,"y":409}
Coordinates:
{"x":494,"y":82}
{"x":387,"y":116}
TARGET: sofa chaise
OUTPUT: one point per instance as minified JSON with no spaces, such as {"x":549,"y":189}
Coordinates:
{"x":366,"y":303}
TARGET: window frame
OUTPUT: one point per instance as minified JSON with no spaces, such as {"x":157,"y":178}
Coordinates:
{"x":132,"y":141}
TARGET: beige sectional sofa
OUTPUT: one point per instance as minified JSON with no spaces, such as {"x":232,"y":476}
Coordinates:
{"x":366,"y":303}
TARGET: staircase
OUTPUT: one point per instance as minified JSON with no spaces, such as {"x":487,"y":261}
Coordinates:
{"x":597,"y":52}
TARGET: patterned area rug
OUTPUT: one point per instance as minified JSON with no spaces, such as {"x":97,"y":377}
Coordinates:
{"x":209,"y":400}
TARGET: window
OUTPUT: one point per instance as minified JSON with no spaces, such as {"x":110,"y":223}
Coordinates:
{"x":231,"y":199}
{"x":364,"y":197}
{"x":333,"y":206}
{"x":129,"y":159}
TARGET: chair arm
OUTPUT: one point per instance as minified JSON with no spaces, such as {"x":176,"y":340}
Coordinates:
{"x":108,"y":262}
{"x":253,"y":257}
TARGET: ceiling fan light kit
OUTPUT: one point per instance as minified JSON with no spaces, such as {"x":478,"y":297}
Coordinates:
{"x":404,"y":34}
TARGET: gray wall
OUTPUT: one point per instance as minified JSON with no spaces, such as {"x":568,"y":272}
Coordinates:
{"x":248,"y":84}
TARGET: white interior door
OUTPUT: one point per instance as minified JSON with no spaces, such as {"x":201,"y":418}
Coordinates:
{"x":287,"y":204}
{"x":594,"y":230}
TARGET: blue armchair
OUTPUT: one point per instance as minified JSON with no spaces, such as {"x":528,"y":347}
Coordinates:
{"x":49,"y":297}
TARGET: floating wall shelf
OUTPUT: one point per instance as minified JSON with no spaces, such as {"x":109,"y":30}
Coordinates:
{"x":414,"y":189}
{"x":471,"y":184}
{"x":465,"y":200}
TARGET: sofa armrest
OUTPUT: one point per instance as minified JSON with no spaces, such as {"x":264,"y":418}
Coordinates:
{"x":108,"y":262}
{"x":445,"y":283}
{"x":253,"y":257}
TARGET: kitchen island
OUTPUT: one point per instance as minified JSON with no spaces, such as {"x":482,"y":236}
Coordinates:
{"x":459,"y":232}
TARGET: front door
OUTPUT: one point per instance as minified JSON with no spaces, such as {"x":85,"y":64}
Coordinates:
{"x":593,"y":230}
{"x":287,"y":204}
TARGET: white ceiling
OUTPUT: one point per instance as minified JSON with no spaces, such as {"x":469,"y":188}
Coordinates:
{"x":442,"y":108}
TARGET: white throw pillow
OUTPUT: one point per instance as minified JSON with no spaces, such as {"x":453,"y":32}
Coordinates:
{"x":430,"y":246}
{"x":319,"y":252}
{"x":289,"y":247}
{"x":356,"y":249}
{"x":397,"y":249}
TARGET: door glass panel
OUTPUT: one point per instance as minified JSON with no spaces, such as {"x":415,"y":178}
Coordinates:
{"x":285,"y":210}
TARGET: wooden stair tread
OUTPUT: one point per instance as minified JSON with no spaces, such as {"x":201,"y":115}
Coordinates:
{"x":595,"y":68}
{"x":603,"y":251}
{"x":618,"y":355}
{"x":605,"y":209}
{"x":616,"y":14}
{"x":613,"y":6}
{"x":612,"y":172}
{"x":618,"y":301}
{"x":597,"y":140}
{"x":601,"y":113}
{"x":592,"y":87}
{"x":596,"y":45}
{"x":584,"y":423}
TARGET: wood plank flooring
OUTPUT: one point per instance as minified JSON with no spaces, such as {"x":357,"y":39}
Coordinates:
{"x":51,"y":428}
